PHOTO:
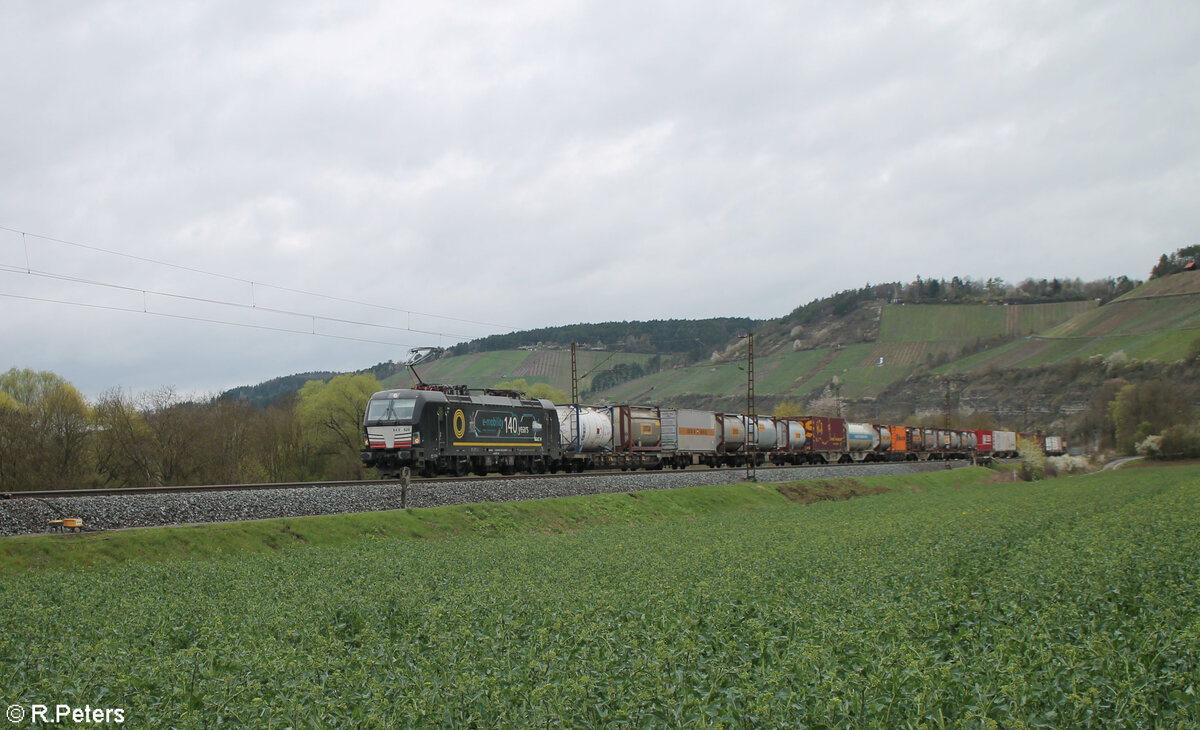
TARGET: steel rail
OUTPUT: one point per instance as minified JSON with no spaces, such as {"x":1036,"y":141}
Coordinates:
{"x":132,"y":491}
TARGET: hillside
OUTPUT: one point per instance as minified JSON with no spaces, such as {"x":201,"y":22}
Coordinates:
{"x":1159,"y":320}
{"x":485,"y":369}
{"x":909,"y":337}
{"x":692,"y":337}
{"x":1027,"y":365}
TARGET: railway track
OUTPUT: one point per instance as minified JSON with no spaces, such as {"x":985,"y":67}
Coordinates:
{"x":134,"y":491}
{"x":111,"y":509}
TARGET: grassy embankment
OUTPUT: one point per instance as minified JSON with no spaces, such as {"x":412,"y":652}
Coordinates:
{"x":18,"y":554}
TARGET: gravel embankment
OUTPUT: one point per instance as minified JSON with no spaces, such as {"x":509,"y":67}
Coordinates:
{"x":24,"y":516}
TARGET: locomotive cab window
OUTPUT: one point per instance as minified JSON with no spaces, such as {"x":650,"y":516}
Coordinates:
{"x":390,"y":410}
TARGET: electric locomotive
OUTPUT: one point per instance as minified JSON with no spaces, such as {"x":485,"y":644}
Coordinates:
{"x":445,"y":429}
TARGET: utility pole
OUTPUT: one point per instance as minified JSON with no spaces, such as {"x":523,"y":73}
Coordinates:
{"x":752,"y":425}
{"x":949,"y":413}
{"x":574,"y":377}
{"x":948,"y":384}
{"x":575,"y":398}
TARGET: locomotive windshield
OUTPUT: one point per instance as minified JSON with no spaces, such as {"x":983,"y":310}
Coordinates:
{"x":390,"y":409}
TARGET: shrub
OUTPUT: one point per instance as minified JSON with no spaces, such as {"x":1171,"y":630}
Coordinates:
{"x":1150,"y":446}
{"x":1033,"y":460}
{"x":1056,"y":465}
{"x":1179,"y":442}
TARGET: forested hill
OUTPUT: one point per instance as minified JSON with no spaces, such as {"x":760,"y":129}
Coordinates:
{"x":695,"y":337}
{"x":268,"y":392}
{"x":698,"y":339}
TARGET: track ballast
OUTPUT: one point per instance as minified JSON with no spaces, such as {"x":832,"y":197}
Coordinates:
{"x":160,"y":506}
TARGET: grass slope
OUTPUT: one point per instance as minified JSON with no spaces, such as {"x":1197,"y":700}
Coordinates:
{"x":485,"y":369}
{"x":542,"y":516}
{"x":1159,"y":320}
{"x":19,"y":554}
{"x":943,"y":603}
{"x":910,"y":335}
{"x":970,"y":322}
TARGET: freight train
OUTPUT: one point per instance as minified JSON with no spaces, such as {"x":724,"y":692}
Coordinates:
{"x":448,"y":430}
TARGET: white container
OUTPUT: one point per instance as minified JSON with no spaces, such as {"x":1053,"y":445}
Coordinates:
{"x":698,"y":431}
{"x":861,"y":437}
{"x":595,"y":428}
{"x":1004,"y":441}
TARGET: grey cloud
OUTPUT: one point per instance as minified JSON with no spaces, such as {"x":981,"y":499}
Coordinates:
{"x":505,"y":163}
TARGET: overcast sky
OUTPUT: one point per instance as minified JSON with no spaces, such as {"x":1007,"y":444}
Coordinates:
{"x":527,"y":164}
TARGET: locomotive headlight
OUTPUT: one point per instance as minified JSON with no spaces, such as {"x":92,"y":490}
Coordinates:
{"x":416,"y":438}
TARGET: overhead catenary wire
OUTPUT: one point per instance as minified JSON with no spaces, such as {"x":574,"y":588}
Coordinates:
{"x":239,"y":279}
{"x":247,"y":325}
{"x":220,"y":302}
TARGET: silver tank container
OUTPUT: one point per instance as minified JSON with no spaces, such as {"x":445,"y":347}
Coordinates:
{"x":766,"y":432}
{"x":734,"y":428}
{"x":885,"y":438}
{"x":794,"y":433}
{"x":647,"y":427}
{"x":931,"y":440}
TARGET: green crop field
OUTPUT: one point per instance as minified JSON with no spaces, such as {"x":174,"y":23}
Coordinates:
{"x":947,"y":602}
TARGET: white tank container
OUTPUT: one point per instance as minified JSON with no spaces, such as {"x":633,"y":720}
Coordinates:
{"x":595,"y":427}
{"x":861,"y":437}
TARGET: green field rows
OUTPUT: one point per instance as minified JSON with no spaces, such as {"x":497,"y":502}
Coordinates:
{"x":966,"y":322}
{"x":1162,"y":346}
{"x":945,"y":603}
{"x":483,"y":370}
{"x":1134,"y":316}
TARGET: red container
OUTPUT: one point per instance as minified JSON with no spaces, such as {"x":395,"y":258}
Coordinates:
{"x":983,"y":441}
{"x":825,"y":434}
